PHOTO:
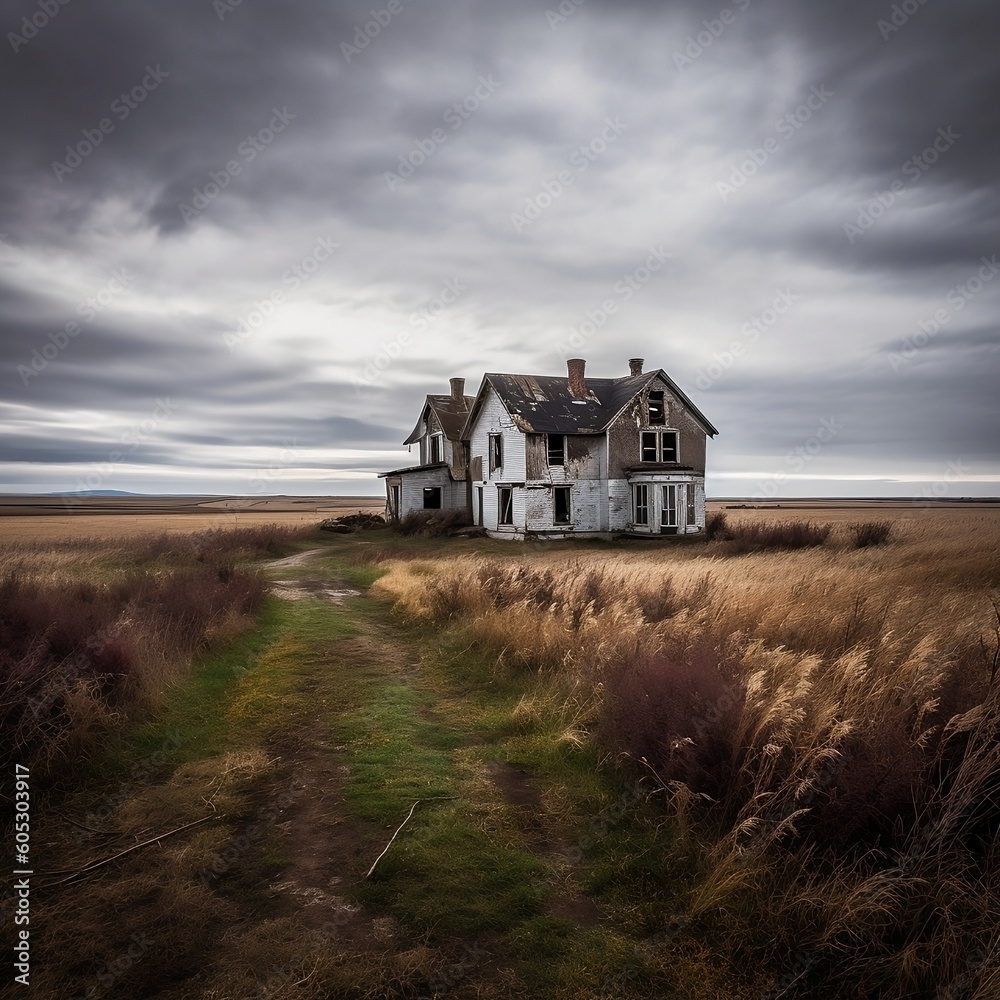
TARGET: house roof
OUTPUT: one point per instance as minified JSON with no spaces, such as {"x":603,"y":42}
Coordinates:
{"x":451,"y":414}
{"x":543,"y":404}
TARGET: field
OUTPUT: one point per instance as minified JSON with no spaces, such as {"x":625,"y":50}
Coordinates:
{"x":762,"y":766}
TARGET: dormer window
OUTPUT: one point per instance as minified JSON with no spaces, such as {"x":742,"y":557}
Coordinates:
{"x":657,"y":410}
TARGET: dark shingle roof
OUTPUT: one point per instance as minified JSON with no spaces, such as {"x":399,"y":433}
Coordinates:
{"x":543,"y":404}
{"x":451,"y":414}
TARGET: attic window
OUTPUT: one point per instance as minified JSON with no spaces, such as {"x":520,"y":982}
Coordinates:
{"x":657,"y":413}
{"x":557,"y":449}
{"x":435,"y":448}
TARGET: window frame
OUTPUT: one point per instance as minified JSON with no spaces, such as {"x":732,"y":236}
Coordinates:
{"x":440,"y":497}
{"x":436,"y":455}
{"x":668,"y":506}
{"x":657,"y":396}
{"x":637,"y":506}
{"x":556,"y":456}
{"x":496,"y":450}
{"x":567,"y":491}
{"x":691,"y":505}
{"x":656,"y":451}
{"x":509,"y":491}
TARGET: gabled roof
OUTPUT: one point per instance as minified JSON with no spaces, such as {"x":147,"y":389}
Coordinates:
{"x":451,"y":414}
{"x":543,"y":404}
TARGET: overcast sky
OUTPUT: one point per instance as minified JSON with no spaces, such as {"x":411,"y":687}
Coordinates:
{"x":240,"y":241}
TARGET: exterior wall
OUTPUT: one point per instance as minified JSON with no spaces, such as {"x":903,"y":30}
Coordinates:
{"x":623,"y":434}
{"x":493,"y":418}
{"x":453,"y":494}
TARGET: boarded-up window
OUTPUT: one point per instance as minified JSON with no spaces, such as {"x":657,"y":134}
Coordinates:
{"x":562,"y":512}
{"x":432,"y":498}
{"x":506,"y":505}
{"x":496,"y":452}
{"x":557,"y":449}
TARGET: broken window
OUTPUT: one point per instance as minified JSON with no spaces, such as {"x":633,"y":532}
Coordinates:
{"x":496,"y":452}
{"x":658,"y":446}
{"x":692,"y":514}
{"x":561,"y":509}
{"x":640,"y":503}
{"x":557,"y":449}
{"x":435,"y":449}
{"x":657,"y":412}
{"x":505,"y":496}
{"x":432,"y":498}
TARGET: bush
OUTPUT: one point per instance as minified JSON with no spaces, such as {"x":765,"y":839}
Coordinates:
{"x":715,"y":525}
{"x":756,"y":536}
{"x":867,"y":533}
{"x":76,"y":657}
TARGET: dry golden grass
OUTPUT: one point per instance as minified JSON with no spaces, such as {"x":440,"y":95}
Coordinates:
{"x":826,"y":718}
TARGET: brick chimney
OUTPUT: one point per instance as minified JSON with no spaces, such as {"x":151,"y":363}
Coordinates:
{"x":635,"y":366}
{"x":458,"y":389}
{"x":574,"y":372}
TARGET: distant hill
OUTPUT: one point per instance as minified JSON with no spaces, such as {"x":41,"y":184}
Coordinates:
{"x":95,"y":493}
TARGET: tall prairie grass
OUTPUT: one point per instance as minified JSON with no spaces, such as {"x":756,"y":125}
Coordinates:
{"x":825,"y":721}
{"x":93,"y":631}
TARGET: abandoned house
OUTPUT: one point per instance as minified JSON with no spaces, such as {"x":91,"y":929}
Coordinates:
{"x":554,"y":456}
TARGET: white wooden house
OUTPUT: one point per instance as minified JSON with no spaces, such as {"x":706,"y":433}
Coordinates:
{"x":559,"y":456}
